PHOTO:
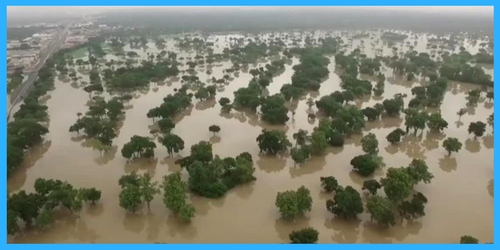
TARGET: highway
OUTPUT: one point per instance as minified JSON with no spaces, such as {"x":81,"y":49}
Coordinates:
{"x":18,"y":94}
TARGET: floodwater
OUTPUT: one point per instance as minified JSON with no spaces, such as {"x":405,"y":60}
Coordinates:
{"x":460,"y":196}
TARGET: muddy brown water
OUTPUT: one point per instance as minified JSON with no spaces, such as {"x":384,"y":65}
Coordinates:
{"x":460,"y":196}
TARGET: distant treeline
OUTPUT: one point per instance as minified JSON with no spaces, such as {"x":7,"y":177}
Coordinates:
{"x":253,"y":21}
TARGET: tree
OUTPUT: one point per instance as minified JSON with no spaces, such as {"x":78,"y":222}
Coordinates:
{"x":214,"y":129}
{"x":12,"y":222}
{"x":174,"y":196}
{"x":166,"y":125}
{"x":273,"y":141}
{"x":310,"y":102}
{"x":149,"y":188}
{"x":419,"y":171}
{"x":318,"y":142}
{"x":274,"y":110}
{"x":489,"y":95}
{"x":91,"y":194}
{"x":461,"y":112}
{"x":45,"y":219}
{"x":381,"y":210}
{"x":139,"y":146}
{"x":436,"y":122}
{"x":414,"y":208}
{"x":173,"y":143}
{"x":478,"y":128}
{"x":371,"y":113}
{"x":369,"y":143}
{"x":130,"y":198}
{"x":329,"y":184}
{"x":294,"y":203}
{"x":346,"y":203}
{"x":491,"y":120}
{"x":365,"y":164}
{"x":452,"y":144}
{"x":397,"y":184}
{"x":467,"y":239}
{"x":28,"y":132}
{"x":304,"y":236}
{"x":301,"y":154}
{"x":372,"y":186}
{"x":202,"y":151}
{"x":224,"y":101}
{"x":202,"y":94}
{"x":394,"y":136}
{"x":300,"y":137}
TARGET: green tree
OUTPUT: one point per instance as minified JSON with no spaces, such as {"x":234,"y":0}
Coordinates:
{"x":329,"y":184}
{"x":369,"y":143}
{"x":397,"y":184}
{"x":91,"y":194}
{"x":478,"y":128}
{"x":214,"y":129}
{"x":224,"y":101}
{"x":319,"y":142}
{"x":149,"y":188}
{"x":304,"y":236}
{"x":174,"y":196}
{"x":436,"y":122}
{"x":139,"y":146}
{"x":202,"y":94}
{"x":202,"y":151}
{"x":294,"y":203}
{"x":274,"y":110}
{"x":12,"y":222}
{"x":419,"y":171}
{"x":131,"y":198}
{"x":45,"y":219}
{"x":301,"y":154}
{"x":300,"y":137}
{"x":372,"y":186}
{"x":394,"y":136}
{"x":365,"y":164}
{"x":273,"y":141}
{"x":172,"y":142}
{"x":452,"y":144}
{"x":346,"y":203}
{"x":381,"y":210}
{"x":414,"y":208}
{"x":467,"y":239}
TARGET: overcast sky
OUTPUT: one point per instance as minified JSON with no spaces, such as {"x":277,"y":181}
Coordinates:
{"x":15,"y":11}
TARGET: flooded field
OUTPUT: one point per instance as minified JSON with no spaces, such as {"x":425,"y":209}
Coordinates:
{"x":460,"y":196}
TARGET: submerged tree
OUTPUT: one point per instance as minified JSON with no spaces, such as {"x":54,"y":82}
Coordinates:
{"x":452,"y":144}
{"x":304,"y":236}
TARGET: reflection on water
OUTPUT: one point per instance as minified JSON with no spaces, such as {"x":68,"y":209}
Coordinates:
{"x":247,"y":214}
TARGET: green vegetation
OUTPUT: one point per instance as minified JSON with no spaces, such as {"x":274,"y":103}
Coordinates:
{"x":39,"y":207}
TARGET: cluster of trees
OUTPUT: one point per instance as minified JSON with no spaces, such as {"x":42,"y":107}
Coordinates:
{"x":137,"y":189}
{"x":15,"y":80}
{"x":26,"y":130}
{"x":307,"y":145}
{"x":400,"y":199}
{"x":171,"y":106}
{"x":294,"y":203}
{"x":210,"y":176}
{"x":139,"y":77}
{"x":39,"y":207}
{"x":264,"y":76}
{"x":139,"y":147}
{"x":100,"y":121}
{"x":308,"y":75}
{"x":204,"y":93}
{"x":456,"y":67}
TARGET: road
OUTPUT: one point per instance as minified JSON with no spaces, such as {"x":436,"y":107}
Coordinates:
{"x":19,"y":94}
